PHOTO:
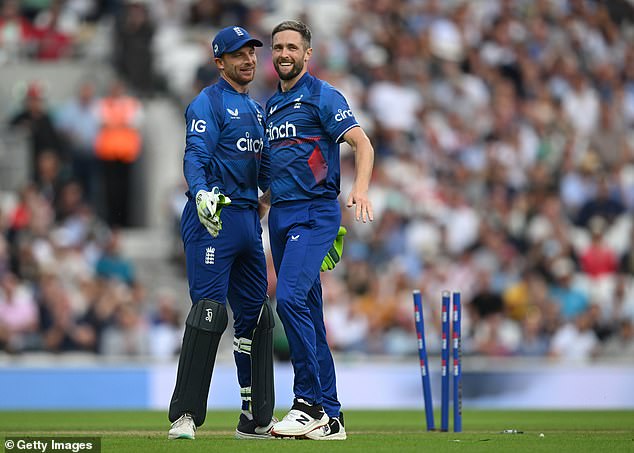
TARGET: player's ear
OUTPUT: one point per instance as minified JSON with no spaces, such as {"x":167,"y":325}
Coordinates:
{"x":308,"y":54}
{"x":220,"y":64}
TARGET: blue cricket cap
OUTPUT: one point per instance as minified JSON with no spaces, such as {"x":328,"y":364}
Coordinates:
{"x":231,"y":39}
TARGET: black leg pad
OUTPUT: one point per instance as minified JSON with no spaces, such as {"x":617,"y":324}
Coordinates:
{"x":206,"y":322}
{"x":262,"y":387}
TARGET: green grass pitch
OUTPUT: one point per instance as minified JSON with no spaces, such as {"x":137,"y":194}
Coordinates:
{"x":368,"y":432}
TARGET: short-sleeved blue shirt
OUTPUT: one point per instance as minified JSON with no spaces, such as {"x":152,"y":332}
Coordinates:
{"x":304,"y":127}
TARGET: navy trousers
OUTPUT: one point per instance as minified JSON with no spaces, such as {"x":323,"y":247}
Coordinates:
{"x":301,"y":234}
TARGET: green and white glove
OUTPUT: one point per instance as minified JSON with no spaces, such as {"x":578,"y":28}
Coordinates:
{"x":209,"y":205}
{"x":336,"y":251}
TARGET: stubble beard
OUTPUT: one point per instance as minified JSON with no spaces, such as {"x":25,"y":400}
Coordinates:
{"x":241,"y":80}
{"x":294,"y":72}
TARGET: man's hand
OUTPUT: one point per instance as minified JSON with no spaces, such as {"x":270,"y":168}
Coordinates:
{"x":334,"y":254}
{"x":264,"y":204}
{"x":209,"y":205}
{"x":363,"y":162}
{"x":362,"y":206}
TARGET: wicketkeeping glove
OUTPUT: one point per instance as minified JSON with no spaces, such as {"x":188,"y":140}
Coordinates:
{"x":336,"y":251}
{"x":209,"y":205}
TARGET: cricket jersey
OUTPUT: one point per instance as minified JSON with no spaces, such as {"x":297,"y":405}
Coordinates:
{"x":225,"y":144}
{"x":304,"y":127}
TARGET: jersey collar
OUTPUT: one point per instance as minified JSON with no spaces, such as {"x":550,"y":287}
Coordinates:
{"x":301,"y":82}
{"x":222,"y":83}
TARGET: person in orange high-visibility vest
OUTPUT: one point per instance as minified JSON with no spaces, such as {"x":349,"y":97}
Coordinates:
{"x":117,"y":147}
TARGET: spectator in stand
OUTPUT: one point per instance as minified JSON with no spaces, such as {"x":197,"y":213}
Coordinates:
{"x":17,"y":34}
{"x":581,"y":105}
{"x":127,"y":335}
{"x":67,"y":16}
{"x":32,"y":248}
{"x":598,"y":259}
{"x":112,"y":264}
{"x":217,"y":12}
{"x":165,"y":329}
{"x":535,"y":341}
{"x":18,"y":314}
{"x":206,"y":74}
{"x":622,"y":300}
{"x":621,"y":344}
{"x":70,"y":210}
{"x":78,"y":123}
{"x":570,"y":298}
{"x":394,"y":104}
{"x":49,"y":176}
{"x":53,"y":42}
{"x":60,"y":326}
{"x":575,"y":340}
{"x":35,"y":119}
{"x":610,"y":138}
{"x":605,"y":203}
{"x":117,"y":146}
{"x":17,"y":221}
{"x":133,"y":59}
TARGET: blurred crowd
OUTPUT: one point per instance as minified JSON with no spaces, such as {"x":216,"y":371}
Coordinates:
{"x":504,"y":139}
{"x":504,"y":133}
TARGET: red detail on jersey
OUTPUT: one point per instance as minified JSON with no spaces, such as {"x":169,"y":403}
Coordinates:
{"x":294,"y":141}
{"x":318,"y":165}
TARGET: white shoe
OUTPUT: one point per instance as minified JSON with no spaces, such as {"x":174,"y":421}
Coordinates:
{"x":333,"y":430}
{"x":302,"y":419}
{"x":183,"y":428}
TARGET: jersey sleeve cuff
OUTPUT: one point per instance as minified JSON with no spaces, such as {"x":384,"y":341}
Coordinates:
{"x":340,"y":136}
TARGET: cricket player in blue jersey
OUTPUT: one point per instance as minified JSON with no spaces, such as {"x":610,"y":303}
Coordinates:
{"x":306,"y":121}
{"x":226,"y":159}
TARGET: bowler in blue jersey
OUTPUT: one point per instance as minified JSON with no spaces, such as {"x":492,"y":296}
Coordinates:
{"x":306,"y":120}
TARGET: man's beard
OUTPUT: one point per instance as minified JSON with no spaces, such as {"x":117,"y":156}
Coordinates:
{"x":238,"y":77}
{"x":296,"y":69}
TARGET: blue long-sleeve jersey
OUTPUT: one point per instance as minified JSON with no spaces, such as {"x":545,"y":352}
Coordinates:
{"x":305,"y":126}
{"x":226,"y":145}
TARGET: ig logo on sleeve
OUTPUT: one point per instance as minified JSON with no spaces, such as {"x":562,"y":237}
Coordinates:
{"x":198,"y":126}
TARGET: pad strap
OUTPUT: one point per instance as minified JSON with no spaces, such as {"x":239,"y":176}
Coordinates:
{"x":208,"y":315}
{"x":245,"y":393}
{"x":242,"y":345}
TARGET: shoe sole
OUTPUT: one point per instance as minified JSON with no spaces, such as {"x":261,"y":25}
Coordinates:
{"x":247,"y":436}
{"x":306,"y":429}
{"x":180,"y":436}
{"x":338,"y":436}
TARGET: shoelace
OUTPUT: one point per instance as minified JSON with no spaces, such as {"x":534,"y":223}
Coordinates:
{"x":293,"y":414}
{"x":181,"y":421}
